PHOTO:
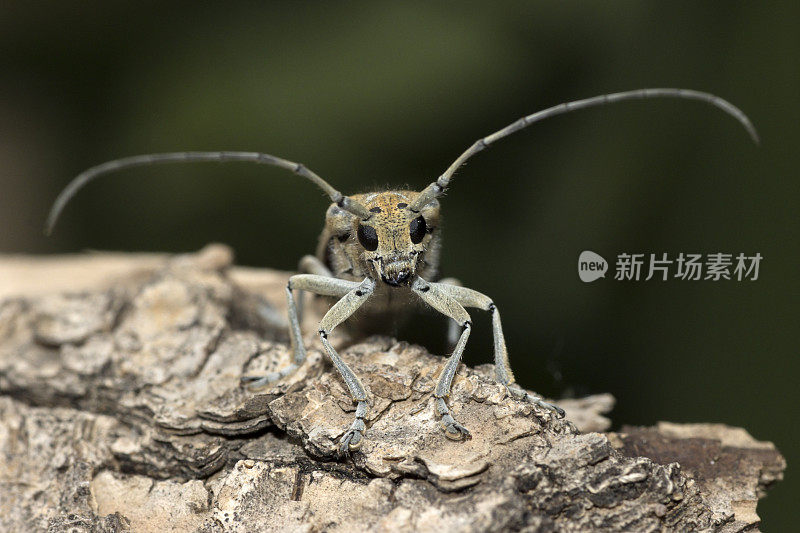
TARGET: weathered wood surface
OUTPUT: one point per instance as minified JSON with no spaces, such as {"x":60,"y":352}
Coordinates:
{"x":120,"y":408}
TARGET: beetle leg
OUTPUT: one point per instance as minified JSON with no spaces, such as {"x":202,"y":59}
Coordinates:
{"x":341,"y":311}
{"x":310,"y":264}
{"x":327,"y":286}
{"x":471,"y":298}
{"x":453,"y":331}
{"x":433,"y":295}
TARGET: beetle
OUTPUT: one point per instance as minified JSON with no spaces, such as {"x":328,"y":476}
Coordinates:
{"x":380,"y":251}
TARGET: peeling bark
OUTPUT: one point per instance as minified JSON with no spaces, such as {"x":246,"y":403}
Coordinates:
{"x":121,"y":409}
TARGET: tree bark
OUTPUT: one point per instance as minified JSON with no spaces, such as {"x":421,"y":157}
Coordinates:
{"x":121,"y":408}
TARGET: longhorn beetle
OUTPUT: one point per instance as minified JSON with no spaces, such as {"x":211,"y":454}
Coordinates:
{"x":380,"y":250}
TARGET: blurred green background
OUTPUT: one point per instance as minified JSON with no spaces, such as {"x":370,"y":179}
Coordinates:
{"x":369,"y":95}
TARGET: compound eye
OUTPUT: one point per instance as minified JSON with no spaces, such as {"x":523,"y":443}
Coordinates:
{"x":418,"y":228}
{"x":367,"y":237}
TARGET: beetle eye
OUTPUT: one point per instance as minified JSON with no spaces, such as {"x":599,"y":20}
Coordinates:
{"x":418,"y":228}
{"x":367,"y":237}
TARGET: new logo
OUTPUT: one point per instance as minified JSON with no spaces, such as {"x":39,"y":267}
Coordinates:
{"x":591,"y":266}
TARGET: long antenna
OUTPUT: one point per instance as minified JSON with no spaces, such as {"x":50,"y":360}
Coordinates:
{"x":437,"y":188}
{"x":85,"y":177}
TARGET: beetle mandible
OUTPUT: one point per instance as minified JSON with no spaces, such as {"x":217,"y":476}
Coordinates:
{"x":380,"y":250}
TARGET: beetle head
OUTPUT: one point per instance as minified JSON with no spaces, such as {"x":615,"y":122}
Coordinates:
{"x":394,"y":239}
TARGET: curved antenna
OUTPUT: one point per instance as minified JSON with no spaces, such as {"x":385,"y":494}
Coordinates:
{"x":437,"y":188}
{"x":86,"y":176}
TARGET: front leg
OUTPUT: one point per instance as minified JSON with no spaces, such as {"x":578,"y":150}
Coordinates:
{"x":453,"y":330}
{"x":318,"y":284}
{"x":337,"y":314}
{"x":433,"y":295}
{"x":471,"y":298}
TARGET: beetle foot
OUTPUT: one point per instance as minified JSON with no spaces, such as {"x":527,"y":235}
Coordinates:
{"x":353,"y":437}
{"x":452,"y":429}
{"x":255,"y":382}
{"x":519,"y":394}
